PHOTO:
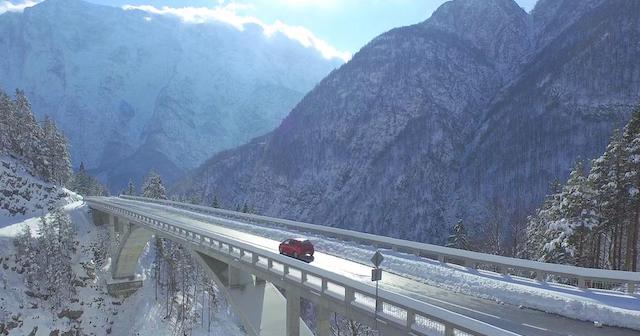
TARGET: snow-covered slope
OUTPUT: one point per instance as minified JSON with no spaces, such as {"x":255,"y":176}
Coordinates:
{"x":134,"y":91}
{"x":22,"y":195}
{"x":97,"y":313}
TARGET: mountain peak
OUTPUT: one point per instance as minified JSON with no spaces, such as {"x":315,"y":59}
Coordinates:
{"x":493,"y":26}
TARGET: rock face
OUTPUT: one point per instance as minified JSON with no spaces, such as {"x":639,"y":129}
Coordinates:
{"x":135,"y":91}
{"x":470,"y":114}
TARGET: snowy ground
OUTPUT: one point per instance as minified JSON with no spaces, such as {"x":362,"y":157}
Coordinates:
{"x":138,"y":314}
{"x":607,"y":307}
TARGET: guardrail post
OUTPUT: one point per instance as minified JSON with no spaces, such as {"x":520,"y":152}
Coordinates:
{"x":541,"y":276}
{"x":349,"y":295}
{"x":448,"y":330}
{"x":631,"y":287}
{"x":411,"y":319}
{"x":582,"y":283}
{"x":442,"y":259}
{"x":469,"y":263}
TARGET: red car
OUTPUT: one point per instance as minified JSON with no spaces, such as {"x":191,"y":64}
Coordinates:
{"x":296,"y":247}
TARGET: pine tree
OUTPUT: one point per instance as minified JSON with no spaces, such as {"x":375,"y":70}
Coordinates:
{"x":569,"y":235}
{"x":539,"y":223}
{"x":153,"y":187}
{"x":215,"y":203}
{"x":6,"y":122}
{"x":131,"y":189}
{"x":28,"y":134}
{"x":631,"y":138}
{"x":607,"y":178}
{"x":55,"y":163}
{"x":458,"y":237}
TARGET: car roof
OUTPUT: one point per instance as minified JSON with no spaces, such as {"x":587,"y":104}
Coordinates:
{"x":300,"y":239}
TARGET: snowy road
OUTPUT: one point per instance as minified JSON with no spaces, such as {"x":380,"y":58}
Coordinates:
{"x":520,"y":320}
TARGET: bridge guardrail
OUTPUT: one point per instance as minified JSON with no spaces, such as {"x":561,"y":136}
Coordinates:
{"x":405,"y":313}
{"x":584,"y":277}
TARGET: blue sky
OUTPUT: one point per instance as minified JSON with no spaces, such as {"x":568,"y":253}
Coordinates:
{"x":345,"y":24}
{"x":337,"y":28}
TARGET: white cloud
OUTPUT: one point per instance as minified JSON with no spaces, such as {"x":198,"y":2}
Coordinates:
{"x":14,"y":6}
{"x":228,"y":14}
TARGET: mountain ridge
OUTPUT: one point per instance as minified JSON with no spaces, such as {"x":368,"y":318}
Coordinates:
{"x":386,"y":143}
{"x":121,"y":80}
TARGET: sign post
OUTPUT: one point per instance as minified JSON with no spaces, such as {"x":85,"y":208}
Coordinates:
{"x":376,"y":275}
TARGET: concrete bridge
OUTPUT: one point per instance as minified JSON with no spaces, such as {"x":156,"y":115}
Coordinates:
{"x":264,"y":288}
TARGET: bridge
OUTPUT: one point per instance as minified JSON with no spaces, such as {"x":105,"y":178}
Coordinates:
{"x":265,"y":288}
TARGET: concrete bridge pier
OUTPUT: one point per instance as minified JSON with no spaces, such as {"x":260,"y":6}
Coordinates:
{"x":323,"y":320}
{"x":128,"y":241}
{"x":262,"y":308}
{"x":293,"y":312}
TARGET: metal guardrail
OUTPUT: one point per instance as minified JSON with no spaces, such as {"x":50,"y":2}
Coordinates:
{"x":583,"y":277}
{"x":404,"y":313}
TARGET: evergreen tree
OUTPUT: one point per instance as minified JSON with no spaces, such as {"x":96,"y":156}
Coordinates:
{"x":55,"y":161}
{"x":131,"y":189}
{"x":27,"y":134}
{"x":458,"y":237}
{"x":607,"y":178}
{"x":6,"y":122}
{"x":87,"y":185}
{"x":570,"y":233}
{"x":153,"y":187}
{"x":631,"y":138}
{"x":539,"y":223}
{"x":215,"y":203}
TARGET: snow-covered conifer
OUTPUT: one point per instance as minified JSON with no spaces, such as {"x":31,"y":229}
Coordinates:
{"x":458,"y":238}
{"x":153,"y":187}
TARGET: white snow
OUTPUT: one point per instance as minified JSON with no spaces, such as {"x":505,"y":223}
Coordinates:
{"x":138,"y":314}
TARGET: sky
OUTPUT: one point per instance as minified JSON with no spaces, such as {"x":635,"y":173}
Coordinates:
{"x":338,"y":28}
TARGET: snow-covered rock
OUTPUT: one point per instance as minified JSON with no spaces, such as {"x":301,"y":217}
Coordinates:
{"x":22,"y":195}
{"x":135,"y":91}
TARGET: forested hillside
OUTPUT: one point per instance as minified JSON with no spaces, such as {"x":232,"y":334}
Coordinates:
{"x":469,"y":115}
{"x":34,"y":159}
{"x":594,"y":219}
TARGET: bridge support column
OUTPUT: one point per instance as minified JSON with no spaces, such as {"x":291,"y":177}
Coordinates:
{"x":99,"y":217}
{"x":323,"y":321}
{"x":293,"y":312}
{"x":237,"y":278}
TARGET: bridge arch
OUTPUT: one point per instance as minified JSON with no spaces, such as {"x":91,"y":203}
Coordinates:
{"x":133,"y":239}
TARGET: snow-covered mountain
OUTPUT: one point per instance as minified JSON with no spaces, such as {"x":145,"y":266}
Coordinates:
{"x":470,"y":114}
{"x":134,"y":90}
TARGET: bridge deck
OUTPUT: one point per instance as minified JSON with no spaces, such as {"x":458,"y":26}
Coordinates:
{"x":512,"y":318}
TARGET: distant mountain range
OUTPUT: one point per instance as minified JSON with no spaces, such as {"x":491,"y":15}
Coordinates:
{"x":469,"y":115}
{"x":135,"y":91}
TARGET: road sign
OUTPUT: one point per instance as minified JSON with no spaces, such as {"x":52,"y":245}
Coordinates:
{"x":377,"y":259}
{"x":376,"y":274}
